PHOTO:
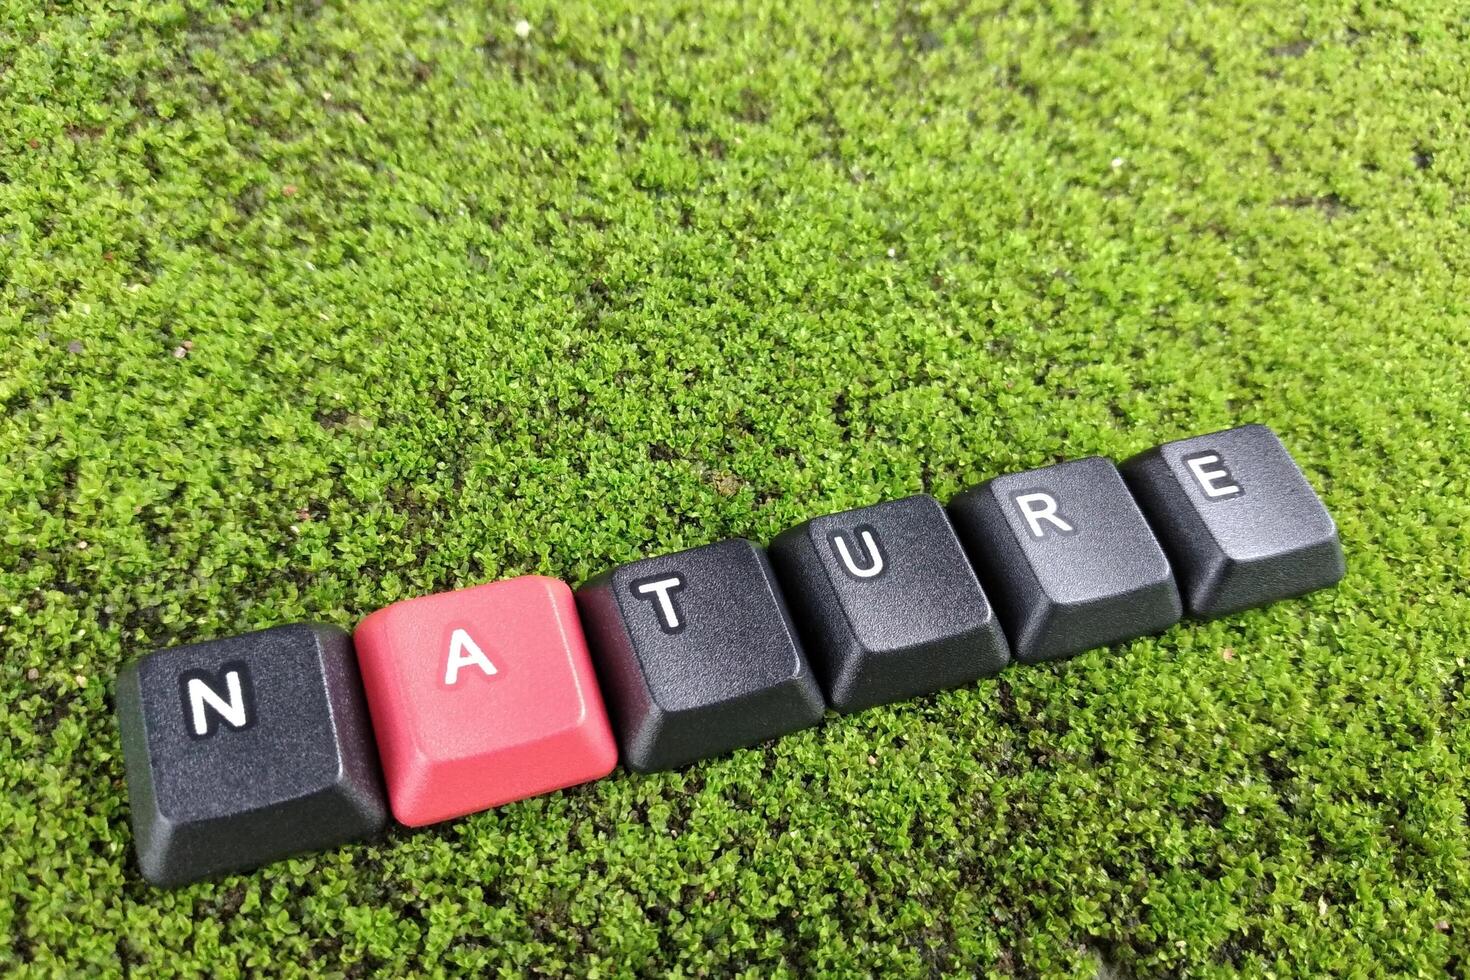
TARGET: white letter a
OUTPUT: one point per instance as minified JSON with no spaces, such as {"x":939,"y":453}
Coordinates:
{"x":464,"y":651}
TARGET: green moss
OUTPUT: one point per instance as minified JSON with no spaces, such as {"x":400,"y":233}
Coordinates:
{"x":307,"y":311}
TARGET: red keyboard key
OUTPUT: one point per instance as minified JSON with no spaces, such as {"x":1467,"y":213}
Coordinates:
{"x":481,"y":697}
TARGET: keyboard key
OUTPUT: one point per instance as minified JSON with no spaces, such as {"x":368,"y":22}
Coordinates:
{"x":697,"y":654}
{"x":887,"y":603}
{"x":1067,"y":557}
{"x":1238,"y":519}
{"x":245,"y":750}
{"x":481,"y":697}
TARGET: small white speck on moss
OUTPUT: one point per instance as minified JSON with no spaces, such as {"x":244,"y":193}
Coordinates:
{"x":1117,"y":162}
{"x":522,"y":29}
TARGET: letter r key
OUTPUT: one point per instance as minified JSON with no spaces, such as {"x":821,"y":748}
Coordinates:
{"x":1070,"y":560}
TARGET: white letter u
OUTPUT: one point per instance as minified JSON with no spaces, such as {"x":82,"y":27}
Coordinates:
{"x":870,"y":544}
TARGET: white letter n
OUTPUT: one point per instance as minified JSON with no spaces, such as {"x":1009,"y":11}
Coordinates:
{"x":232,"y":711}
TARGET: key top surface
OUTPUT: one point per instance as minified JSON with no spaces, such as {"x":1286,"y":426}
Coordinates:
{"x":247,"y":749}
{"x":481,"y":697}
{"x":1240,"y":522}
{"x":697,"y":654}
{"x":1068,"y":558}
{"x":887,"y":603}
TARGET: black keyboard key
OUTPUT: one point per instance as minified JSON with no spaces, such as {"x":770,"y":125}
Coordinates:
{"x":1067,"y":557}
{"x":1238,"y":519}
{"x":697,"y":655}
{"x":245,"y":750}
{"x":887,"y":603}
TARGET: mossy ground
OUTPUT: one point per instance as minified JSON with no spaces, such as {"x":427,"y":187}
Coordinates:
{"x":309,"y":309}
